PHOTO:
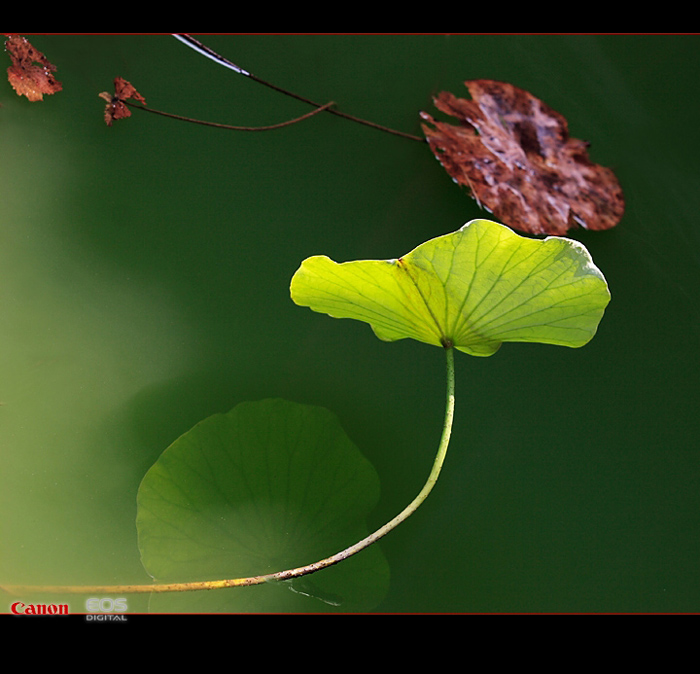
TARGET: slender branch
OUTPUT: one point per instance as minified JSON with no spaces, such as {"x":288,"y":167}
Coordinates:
{"x":210,"y":53}
{"x":302,"y":570}
{"x":230,"y":126}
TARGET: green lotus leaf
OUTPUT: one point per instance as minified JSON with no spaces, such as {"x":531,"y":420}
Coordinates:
{"x":268,"y":486}
{"x":473,"y":289}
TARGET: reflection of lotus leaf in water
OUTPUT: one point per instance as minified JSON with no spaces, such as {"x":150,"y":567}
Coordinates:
{"x":270,"y":485}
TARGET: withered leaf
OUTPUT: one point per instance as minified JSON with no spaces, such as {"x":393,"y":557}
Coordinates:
{"x":515,"y":155}
{"x":30,"y":74}
{"x":116,"y":107}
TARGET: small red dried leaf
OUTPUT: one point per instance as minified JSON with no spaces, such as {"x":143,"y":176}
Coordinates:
{"x":515,"y":155}
{"x":30,"y":74}
{"x":116,"y":107}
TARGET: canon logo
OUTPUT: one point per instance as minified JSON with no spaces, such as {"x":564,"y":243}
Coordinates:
{"x":20,"y":608}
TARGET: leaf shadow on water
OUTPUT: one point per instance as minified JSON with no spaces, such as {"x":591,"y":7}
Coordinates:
{"x":270,"y":485}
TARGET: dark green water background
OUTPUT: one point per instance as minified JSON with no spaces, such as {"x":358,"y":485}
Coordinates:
{"x":144,"y":274}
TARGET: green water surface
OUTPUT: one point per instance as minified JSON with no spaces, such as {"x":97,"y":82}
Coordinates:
{"x":144,"y":285}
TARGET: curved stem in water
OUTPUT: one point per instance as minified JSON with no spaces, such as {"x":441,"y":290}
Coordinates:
{"x":302,"y":570}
